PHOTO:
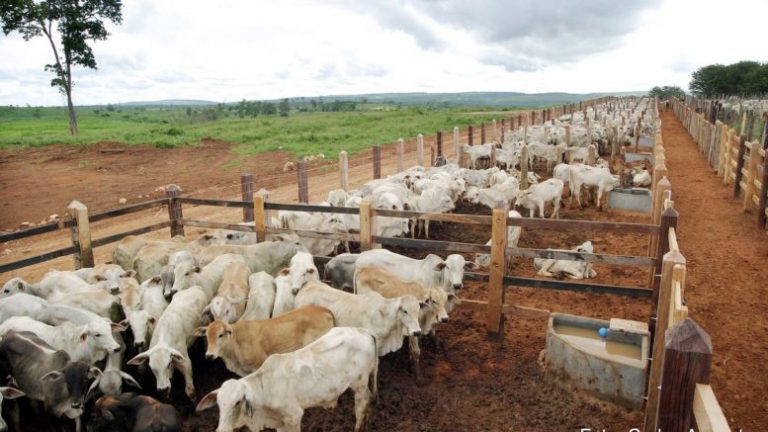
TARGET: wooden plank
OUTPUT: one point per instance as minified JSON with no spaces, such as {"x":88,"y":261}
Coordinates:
{"x":461,"y":218}
{"x":302,"y":181}
{"x":260,"y":217}
{"x":344,"y":168}
{"x":269,"y":205}
{"x":216,"y":225}
{"x":709,"y":416}
{"x":376,"y":161}
{"x":316,"y":234}
{"x":658,"y":326}
{"x":585,"y":225}
{"x":137,"y":231}
{"x":366,"y":225}
{"x":432,"y":245}
{"x":526,"y":311}
{"x":26,"y":262}
{"x":687,"y":361}
{"x":627,"y":260}
{"x":672,"y":240}
{"x":592,"y":288}
{"x":498,"y":266}
{"x":81,"y":235}
{"x":30,"y":232}
{"x":762,"y":203}
{"x":213,"y":202}
{"x":246,"y":189}
{"x":739,"y":166}
{"x":175,"y":214}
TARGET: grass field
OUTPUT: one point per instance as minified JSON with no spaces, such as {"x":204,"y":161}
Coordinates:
{"x":300,"y":133}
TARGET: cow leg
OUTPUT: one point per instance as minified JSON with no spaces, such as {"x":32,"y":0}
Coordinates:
{"x":292,"y":420}
{"x":541,"y":209}
{"x":600,"y":192}
{"x":415,"y":353}
{"x":362,"y":400}
{"x":189,"y":383}
{"x":556,"y":209}
{"x":426,"y":229}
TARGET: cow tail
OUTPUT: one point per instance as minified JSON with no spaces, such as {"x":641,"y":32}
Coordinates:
{"x":374,"y":377}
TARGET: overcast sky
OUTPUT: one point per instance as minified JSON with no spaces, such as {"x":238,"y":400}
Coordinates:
{"x":254,"y":49}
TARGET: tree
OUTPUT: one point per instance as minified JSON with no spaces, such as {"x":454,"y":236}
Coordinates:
{"x":666,"y":92}
{"x":268,"y":108}
{"x":284,"y":107}
{"x":77,"y":22}
{"x":744,"y":78}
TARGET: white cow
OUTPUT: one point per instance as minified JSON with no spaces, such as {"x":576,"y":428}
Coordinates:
{"x":302,"y":270}
{"x":388,"y":319}
{"x":229,"y":303}
{"x":600,"y":178}
{"x":431,"y":201}
{"x":539,"y":194}
{"x":284,"y":294}
{"x":499,"y":194}
{"x":276,"y":395}
{"x":432,"y":271}
{"x":21,"y":304}
{"x":173,"y":335}
{"x":261,"y":297}
{"x":111,"y":275}
{"x":642,"y":179}
{"x":209,"y":278}
{"x":572,"y":269}
{"x":268,"y":256}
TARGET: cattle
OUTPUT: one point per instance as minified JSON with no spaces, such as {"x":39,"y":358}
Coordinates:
{"x":151,"y":303}
{"x":508,"y":157}
{"x":499,"y":194}
{"x":539,"y":194}
{"x":173,"y":334}
{"x":570,"y":268}
{"x":477,"y":153}
{"x":338,"y":197}
{"x":324,"y":222}
{"x":268,"y":256}
{"x":431,"y":201}
{"x":551,"y":153}
{"x":110,"y":382}
{"x":10,"y":393}
{"x":302,"y":270}
{"x":642,"y":179}
{"x":340,"y":271}
{"x":261,"y":297}
{"x":21,"y":304}
{"x":513,"y":238}
{"x":99,"y":327}
{"x":245,"y":344}
{"x":111,"y":275}
{"x":388,"y":319}
{"x":124,"y":253}
{"x":54,"y":281}
{"x":99,"y":302}
{"x":129,"y":412}
{"x":284,"y":294}
{"x":47,"y":375}
{"x":209,"y":278}
{"x":80,"y":342}
{"x":229,"y":303}
{"x":315,"y":375}
{"x":432,"y":271}
{"x":595,"y":177}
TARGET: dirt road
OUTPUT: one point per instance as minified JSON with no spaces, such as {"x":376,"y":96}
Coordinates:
{"x":725,"y":285}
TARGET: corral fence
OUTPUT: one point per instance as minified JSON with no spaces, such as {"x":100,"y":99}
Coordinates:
{"x":678,"y":394}
{"x":736,"y":154}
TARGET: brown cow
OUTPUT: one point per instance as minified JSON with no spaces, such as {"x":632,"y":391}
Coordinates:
{"x":245,"y":345}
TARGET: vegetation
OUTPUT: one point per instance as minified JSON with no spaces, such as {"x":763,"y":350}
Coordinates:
{"x":300,"y":133}
{"x":76,"y":21}
{"x":667,"y":92}
{"x":745,"y":78}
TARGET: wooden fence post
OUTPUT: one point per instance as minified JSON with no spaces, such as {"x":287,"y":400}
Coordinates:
{"x":376,"y":162}
{"x":752,"y":164}
{"x":439,"y":139}
{"x":495,"y":318}
{"x":668,"y":220}
{"x":568,"y":135}
{"x":591,"y":154}
{"x":660,"y":193}
{"x":524,"y":167}
{"x":503,"y":126}
{"x":260,"y":217}
{"x":659,"y":321}
{"x":470,"y":135}
{"x":174,"y":210}
{"x":482,"y":133}
{"x":81,"y":235}
{"x":302,"y":178}
{"x":400,"y":155}
{"x":456,"y":141}
{"x":420,"y":149}
{"x":687,"y":362}
{"x":366,"y":224}
{"x":246,"y":187}
{"x":463,"y":157}
{"x":763,"y":198}
{"x":494,"y":131}
{"x":739,"y":165}
{"x":344,"y":169}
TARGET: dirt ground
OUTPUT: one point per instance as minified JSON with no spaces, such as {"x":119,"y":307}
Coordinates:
{"x":472,"y":384}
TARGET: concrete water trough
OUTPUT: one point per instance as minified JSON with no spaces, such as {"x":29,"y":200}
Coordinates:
{"x":632,"y":199}
{"x":612,"y":368}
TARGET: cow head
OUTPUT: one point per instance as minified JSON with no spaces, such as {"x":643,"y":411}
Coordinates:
{"x":453,"y":272}
{"x":97,"y":334}
{"x":185,"y":275}
{"x":225,"y":308}
{"x":110,"y":383}
{"x":141,"y":324}
{"x":215,"y":333}
{"x":75,"y":376}
{"x":15,"y":285}
{"x":162,"y":361}
{"x":408,"y":313}
{"x":235,"y":409}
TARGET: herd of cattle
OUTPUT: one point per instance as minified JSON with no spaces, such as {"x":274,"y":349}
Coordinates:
{"x":262,"y":308}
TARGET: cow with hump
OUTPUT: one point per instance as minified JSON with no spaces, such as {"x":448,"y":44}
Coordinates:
{"x":277,"y":394}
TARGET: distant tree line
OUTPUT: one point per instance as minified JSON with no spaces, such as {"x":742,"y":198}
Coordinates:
{"x":667,"y":92}
{"x":323,"y":106}
{"x":745,"y":78}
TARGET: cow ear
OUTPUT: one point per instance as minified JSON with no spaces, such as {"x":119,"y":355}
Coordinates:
{"x":11,"y":392}
{"x":248,"y":407}
{"x":156,"y":280}
{"x":208,"y":401}
{"x":94,"y":372}
{"x":200,"y":331}
{"x":176,"y":356}
{"x":311,"y":271}
{"x":84,"y":336}
{"x":470,"y":265}
{"x":423,"y":305}
{"x":92,"y":389}
{"x":285,"y":272}
{"x":129,"y":274}
{"x":196,"y":269}
{"x":207,"y":312}
{"x":20,"y":285}
{"x":52,"y":376}
{"x":117,"y":327}
{"x":440,"y":266}
{"x":151,"y":320}
{"x":139,"y":359}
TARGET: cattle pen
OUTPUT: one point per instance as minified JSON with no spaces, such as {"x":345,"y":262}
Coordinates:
{"x":677,"y":394}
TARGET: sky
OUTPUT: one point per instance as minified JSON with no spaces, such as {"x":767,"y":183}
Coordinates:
{"x":256,"y":49}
